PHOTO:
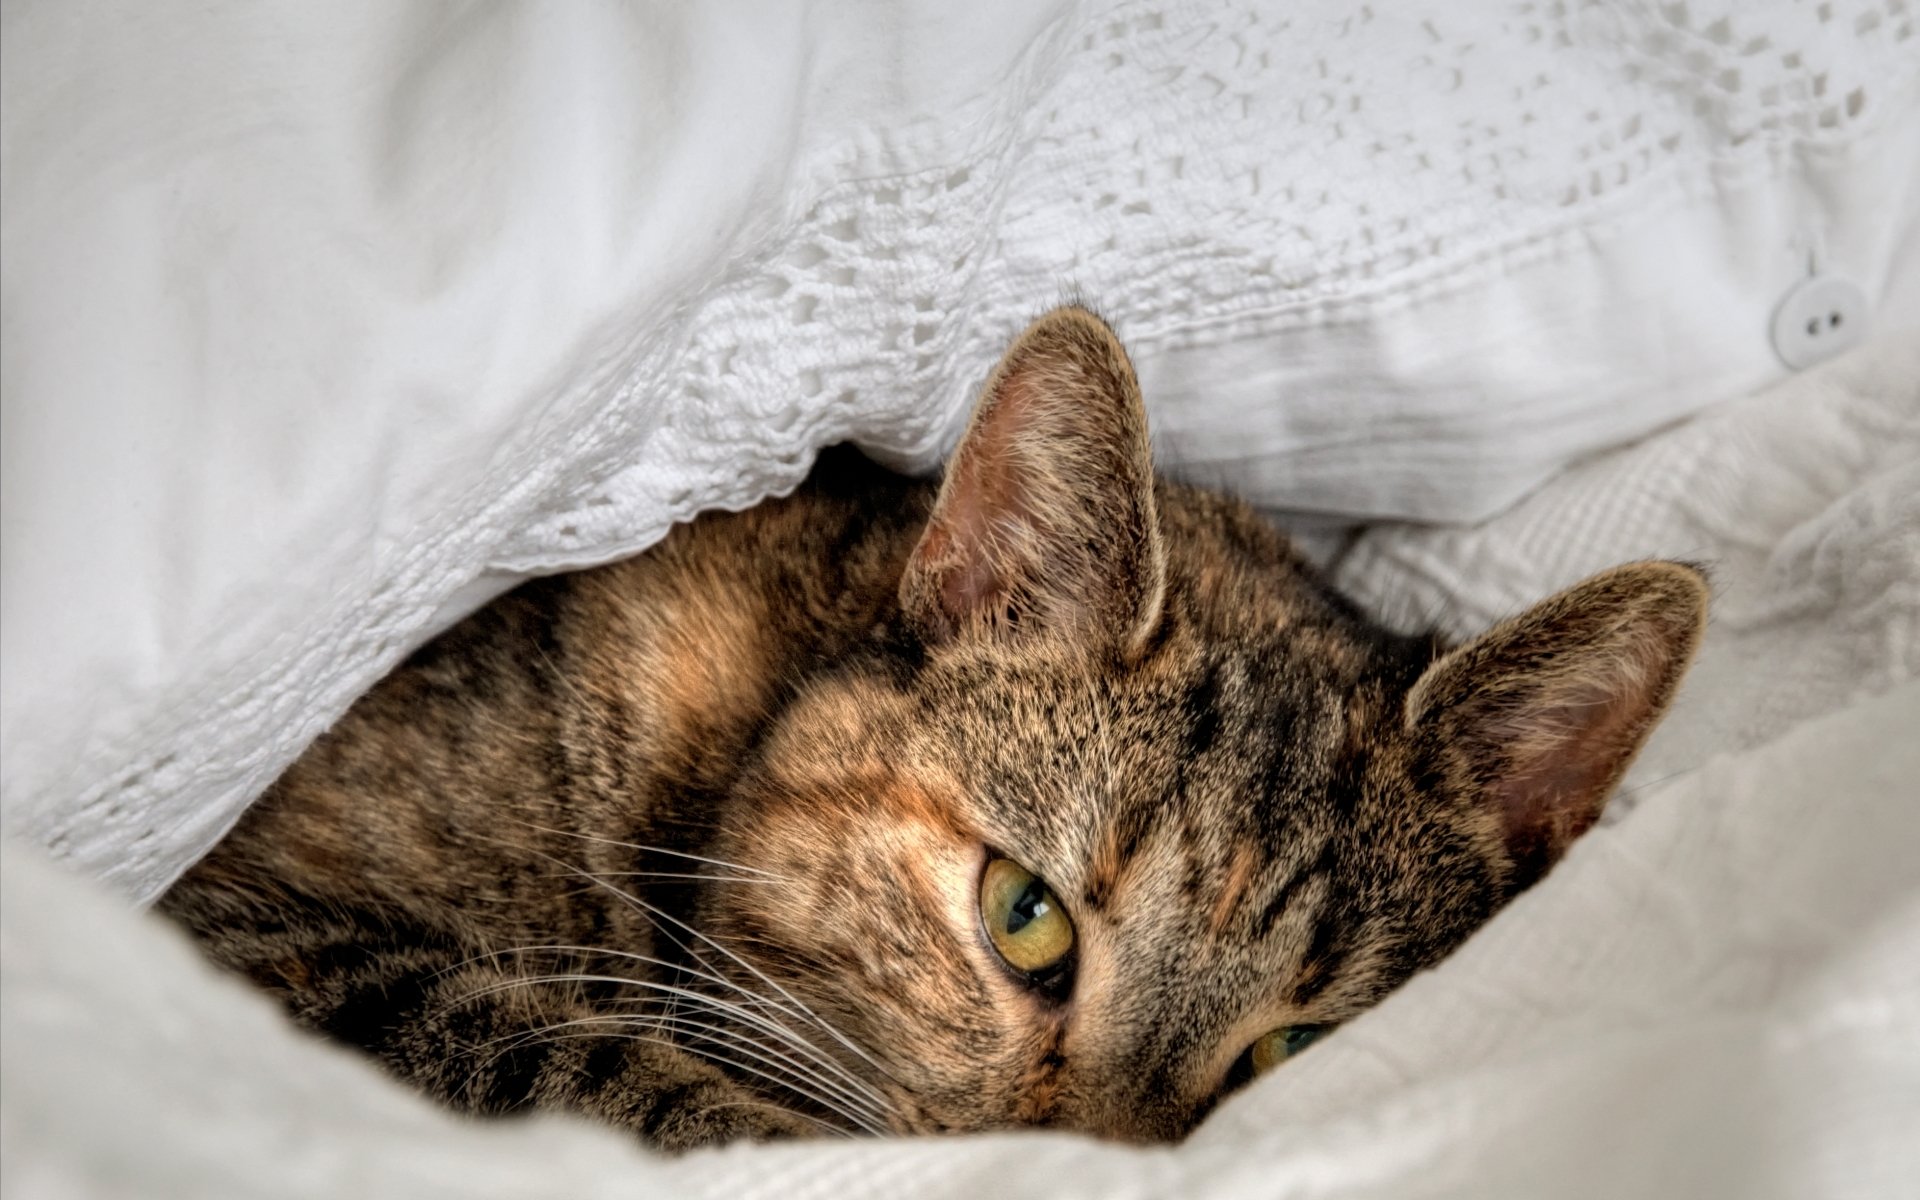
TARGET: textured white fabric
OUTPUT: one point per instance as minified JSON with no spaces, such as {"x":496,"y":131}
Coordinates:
{"x":323,"y":321}
{"x":1715,"y":995}
{"x":1803,"y":503}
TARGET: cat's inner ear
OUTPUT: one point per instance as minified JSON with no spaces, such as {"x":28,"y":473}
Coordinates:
{"x":1544,"y":712}
{"x":1045,"y":521}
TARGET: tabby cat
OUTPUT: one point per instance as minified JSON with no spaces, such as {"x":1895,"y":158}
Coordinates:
{"x":1055,"y":794}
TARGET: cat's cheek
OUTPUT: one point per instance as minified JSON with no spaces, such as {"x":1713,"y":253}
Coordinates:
{"x":867,"y":859}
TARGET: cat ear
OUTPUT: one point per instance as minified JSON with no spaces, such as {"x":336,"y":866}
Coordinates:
{"x":1045,"y":520}
{"x":1545,"y":711}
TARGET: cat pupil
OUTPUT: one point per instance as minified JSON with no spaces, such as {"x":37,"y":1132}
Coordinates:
{"x":1031,"y":906}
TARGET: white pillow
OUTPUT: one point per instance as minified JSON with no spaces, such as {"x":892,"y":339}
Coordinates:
{"x":322,"y":323}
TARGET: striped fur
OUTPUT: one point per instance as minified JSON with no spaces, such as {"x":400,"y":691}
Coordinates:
{"x":691,"y":843}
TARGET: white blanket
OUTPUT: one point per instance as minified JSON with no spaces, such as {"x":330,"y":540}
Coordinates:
{"x":1717,"y":994}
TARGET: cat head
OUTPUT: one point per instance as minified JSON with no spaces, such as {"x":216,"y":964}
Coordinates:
{"x":1128,"y":806}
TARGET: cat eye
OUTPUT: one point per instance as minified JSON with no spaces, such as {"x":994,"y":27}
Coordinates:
{"x":1024,"y":919}
{"x":1283,"y":1043}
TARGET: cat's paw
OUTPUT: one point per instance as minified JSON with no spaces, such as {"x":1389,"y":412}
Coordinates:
{"x":730,"y":1116}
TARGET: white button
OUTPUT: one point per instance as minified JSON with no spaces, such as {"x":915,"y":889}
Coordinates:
{"x":1818,"y":319}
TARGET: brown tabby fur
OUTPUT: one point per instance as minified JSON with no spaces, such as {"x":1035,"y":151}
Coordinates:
{"x":691,"y":843}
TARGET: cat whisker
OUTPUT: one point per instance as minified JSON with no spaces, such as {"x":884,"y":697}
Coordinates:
{"x":606,"y":841}
{"x":758,"y":974}
{"x":1647,"y":783}
{"x":779,"y":1028}
{"x":859,"y":1123}
{"x":674,"y":875}
{"x":642,"y":906}
{"x":865,"y":1116}
{"x":873,"y":1103}
{"x":779,"y":1031}
{"x":838,"y":1099}
{"x":668,"y":875}
{"x":712,"y":976}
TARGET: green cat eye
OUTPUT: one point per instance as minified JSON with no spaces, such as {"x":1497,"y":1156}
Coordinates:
{"x":1283,"y":1043}
{"x":1024,"y":920}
